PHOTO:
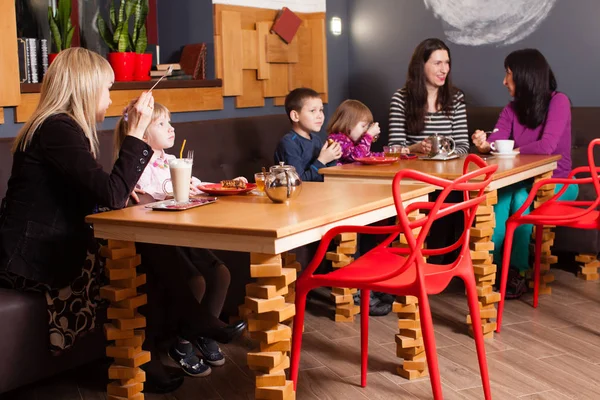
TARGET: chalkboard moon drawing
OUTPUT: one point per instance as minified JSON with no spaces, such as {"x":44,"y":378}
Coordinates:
{"x":484,"y":22}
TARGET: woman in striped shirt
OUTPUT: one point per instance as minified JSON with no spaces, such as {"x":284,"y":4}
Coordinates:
{"x":428,"y":103}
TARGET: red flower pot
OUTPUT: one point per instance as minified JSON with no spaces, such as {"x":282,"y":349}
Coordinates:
{"x":142,"y":66}
{"x":123,"y":65}
{"x":51,"y":57}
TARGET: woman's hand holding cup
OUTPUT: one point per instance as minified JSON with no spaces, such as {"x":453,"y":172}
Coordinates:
{"x":480,"y":141}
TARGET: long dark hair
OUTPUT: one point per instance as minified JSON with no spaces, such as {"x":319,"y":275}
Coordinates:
{"x":416,"y":91}
{"x":534,"y":84}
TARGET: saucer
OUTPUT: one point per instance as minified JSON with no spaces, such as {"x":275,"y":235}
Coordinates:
{"x":504,"y":155}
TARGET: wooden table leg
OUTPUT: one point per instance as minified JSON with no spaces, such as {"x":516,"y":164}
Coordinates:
{"x":547,"y":259}
{"x":127,"y":326}
{"x":409,"y":340}
{"x":485,"y":271}
{"x":268,"y":310}
{"x":345,"y":309}
{"x":589,"y":266}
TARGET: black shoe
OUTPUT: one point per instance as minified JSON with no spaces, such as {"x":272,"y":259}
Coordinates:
{"x":227,"y":333}
{"x":386,"y":297}
{"x":186,"y":358}
{"x":211,"y":353}
{"x":516,"y":285}
{"x":378,"y":308}
{"x":161,"y":386}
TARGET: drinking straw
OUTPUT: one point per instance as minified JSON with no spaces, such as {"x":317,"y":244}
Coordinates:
{"x":181,"y":151}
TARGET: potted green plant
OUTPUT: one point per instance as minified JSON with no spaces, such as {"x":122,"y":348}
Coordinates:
{"x":139,"y":42}
{"x":61,"y":28}
{"x":116,"y":37}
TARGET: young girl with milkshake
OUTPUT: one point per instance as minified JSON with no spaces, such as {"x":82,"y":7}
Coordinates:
{"x":194,"y":280}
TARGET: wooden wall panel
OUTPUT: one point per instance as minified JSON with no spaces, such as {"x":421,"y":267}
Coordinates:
{"x":280,"y":52}
{"x":250,"y":15}
{"x":250,"y":49}
{"x":277,"y":84}
{"x":218,"y":57}
{"x":243,"y":43}
{"x":301,"y":74}
{"x":175,"y":99}
{"x":319,"y":55}
{"x":262,"y":29}
{"x":279,"y":101}
{"x":253,"y":91}
{"x":1,"y":115}
{"x":231,"y":36}
{"x":10,"y":89}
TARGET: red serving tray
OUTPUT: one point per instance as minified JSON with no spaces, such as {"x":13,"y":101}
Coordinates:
{"x":377,"y":160}
{"x":216,"y":189}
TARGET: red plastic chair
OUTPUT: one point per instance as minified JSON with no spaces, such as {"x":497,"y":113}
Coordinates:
{"x":403,"y":271}
{"x":574,"y":214}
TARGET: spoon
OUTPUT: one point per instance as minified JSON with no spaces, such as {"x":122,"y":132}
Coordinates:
{"x":167,"y":72}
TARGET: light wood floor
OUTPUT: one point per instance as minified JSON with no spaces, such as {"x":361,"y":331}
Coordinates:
{"x":552,"y":352}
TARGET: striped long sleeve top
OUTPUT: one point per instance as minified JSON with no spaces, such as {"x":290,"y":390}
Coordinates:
{"x":454,"y":125}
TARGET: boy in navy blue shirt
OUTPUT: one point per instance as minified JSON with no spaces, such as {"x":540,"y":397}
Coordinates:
{"x":302,"y":147}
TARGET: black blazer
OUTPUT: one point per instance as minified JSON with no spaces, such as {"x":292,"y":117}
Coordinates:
{"x":53,"y":185}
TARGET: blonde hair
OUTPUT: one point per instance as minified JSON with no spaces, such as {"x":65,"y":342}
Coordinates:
{"x":71,"y":86}
{"x":122,"y":127}
{"x":347,"y":115}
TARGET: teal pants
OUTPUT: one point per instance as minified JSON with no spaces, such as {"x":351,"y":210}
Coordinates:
{"x":510,"y":199}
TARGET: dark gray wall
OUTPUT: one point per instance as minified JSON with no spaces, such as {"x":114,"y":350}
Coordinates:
{"x":384,"y":34}
{"x":191,"y":22}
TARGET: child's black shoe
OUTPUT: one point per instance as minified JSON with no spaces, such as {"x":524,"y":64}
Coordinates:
{"x":210,"y":350}
{"x":183,"y":354}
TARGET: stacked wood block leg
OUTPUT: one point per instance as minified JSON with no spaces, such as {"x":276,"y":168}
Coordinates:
{"x":126,"y":330}
{"x":589,"y":266}
{"x":485,"y":270}
{"x":409,"y":340}
{"x":547,"y":259}
{"x":345,"y":310}
{"x":268,"y":309}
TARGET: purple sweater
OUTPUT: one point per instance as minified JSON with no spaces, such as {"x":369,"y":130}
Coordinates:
{"x":551,"y":137}
{"x":351,"y":150}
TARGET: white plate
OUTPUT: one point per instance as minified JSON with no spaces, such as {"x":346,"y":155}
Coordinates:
{"x":504,"y":155}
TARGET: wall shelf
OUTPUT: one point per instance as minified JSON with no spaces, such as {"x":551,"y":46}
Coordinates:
{"x":176,"y":95}
{"x":143,"y":85}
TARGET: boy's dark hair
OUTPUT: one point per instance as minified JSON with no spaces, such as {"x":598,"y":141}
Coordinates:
{"x":295,"y":99}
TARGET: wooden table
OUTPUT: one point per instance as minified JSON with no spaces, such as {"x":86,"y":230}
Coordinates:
{"x":238,"y":223}
{"x":510,"y":171}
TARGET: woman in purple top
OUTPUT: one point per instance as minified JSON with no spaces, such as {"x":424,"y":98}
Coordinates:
{"x":352,"y":127}
{"x":539,"y":121}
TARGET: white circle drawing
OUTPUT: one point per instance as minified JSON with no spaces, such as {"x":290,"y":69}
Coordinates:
{"x":481,"y":22}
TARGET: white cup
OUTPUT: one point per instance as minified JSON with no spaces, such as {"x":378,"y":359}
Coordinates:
{"x":503,"y":146}
{"x":181,"y":175}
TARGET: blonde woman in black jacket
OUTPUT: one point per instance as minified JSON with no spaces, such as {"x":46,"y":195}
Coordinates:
{"x":56,"y":180}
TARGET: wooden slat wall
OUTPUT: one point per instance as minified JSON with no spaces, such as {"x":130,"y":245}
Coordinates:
{"x":10,"y":90}
{"x":176,"y":100}
{"x":262,"y":29}
{"x":253,"y":91}
{"x":231,"y":36}
{"x":250,"y":49}
{"x":246,"y":50}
